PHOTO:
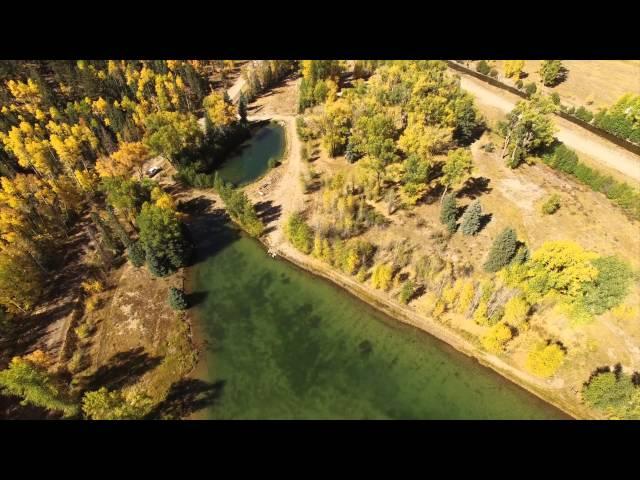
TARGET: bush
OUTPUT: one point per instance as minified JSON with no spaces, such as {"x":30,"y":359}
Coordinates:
{"x":496,"y":338}
{"x":272,"y":163}
{"x":381,"y":276}
{"x":136,"y":254}
{"x":299,"y":233}
{"x":530,"y":89}
{"x":177,"y":299}
{"x":551,"y":206}
{"x":493,"y":73}
{"x":584,"y":114}
{"x":516,"y":311}
{"x":606,"y":390}
{"x":407,"y":291}
{"x":489,"y":147}
{"x":92,"y":303}
{"x":610,"y":286}
{"x":92,"y":286}
{"x":555,"y":98}
{"x":519,"y":84}
{"x":84,"y":330}
{"x":483,"y":67}
{"x":545,"y":360}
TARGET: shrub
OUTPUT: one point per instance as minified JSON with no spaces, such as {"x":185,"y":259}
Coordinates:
{"x":606,"y":390}
{"x":92,"y":303}
{"x":584,"y":114}
{"x":516,"y":311}
{"x":489,"y":147}
{"x":136,"y":254}
{"x":483,"y":67}
{"x":551,"y":206}
{"x":381,"y":276}
{"x":555,"y":98}
{"x":552,"y":72}
{"x":407,"y":291}
{"x":530,"y":89}
{"x":480,"y":314}
{"x":92,"y":286}
{"x":493,"y":73}
{"x":299,"y":233}
{"x":609,"y":287}
{"x":495,"y":339}
{"x":177,"y":299}
{"x":545,"y":360}
{"x":84,"y":330}
{"x":519,"y":84}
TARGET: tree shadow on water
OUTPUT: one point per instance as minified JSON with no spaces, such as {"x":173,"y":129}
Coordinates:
{"x":186,"y":397}
{"x":196,"y":298}
{"x":123,"y":368}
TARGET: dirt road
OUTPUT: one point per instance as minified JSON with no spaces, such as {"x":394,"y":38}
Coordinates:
{"x":573,"y":136}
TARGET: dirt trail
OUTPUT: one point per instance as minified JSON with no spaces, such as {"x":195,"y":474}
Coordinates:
{"x":573,"y":136}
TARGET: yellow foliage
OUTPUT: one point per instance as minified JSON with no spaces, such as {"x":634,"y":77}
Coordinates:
{"x":545,"y":360}
{"x":92,"y":286}
{"x":625,"y":312}
{"x":38,"y":357}
{"x":561,"y":266}
{"x":381,"y":276}
{"x":467,"y":293}
{"x":92,"y":303}
{"x":513,"y":68}
{"x":480,"y":315}
{"x":220,"y":113}
{"x":496,"y":338}
{"x":516,"y":311}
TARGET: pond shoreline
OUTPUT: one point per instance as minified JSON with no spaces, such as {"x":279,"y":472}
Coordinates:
{"x":440,"y":332}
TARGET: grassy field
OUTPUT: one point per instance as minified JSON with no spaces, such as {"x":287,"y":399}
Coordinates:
{"x":601,"y":81}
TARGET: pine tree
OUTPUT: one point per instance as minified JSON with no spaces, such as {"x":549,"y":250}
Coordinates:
{"x":470,"y":221}
{"x":502,"y":250}
{"x":449,"y":212}
{"x":242,"y":108}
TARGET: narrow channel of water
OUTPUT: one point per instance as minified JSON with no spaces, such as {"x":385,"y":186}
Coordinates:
{"x":284,"y":344}
{"x":251,"y":161}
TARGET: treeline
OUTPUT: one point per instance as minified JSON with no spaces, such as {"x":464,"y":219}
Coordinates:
{"x":261,"y":75}
{"x":562,"y":158}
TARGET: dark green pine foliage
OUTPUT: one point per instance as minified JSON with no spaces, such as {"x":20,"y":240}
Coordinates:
{"x":449,"y":212}
{"x":136,"y":254}
{"x":242,"y":108}
{"x":470,"y":221}
{"x":177,"y":299}
{"x":502,"y":250}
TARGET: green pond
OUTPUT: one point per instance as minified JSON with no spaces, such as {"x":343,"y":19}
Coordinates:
{"x":251,"y":161}
{"x":280,"y":343}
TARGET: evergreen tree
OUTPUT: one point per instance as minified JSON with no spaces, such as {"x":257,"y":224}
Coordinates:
{"x":470,"y":221}
{"x":502,"y":250}
{"x":242,"y":108}
{"x":118,"y":229}
{"x":449,"y":212}
{"x":177,"y":299}
{"x":136,"y":254}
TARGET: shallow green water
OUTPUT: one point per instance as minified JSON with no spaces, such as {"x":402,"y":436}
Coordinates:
{"x":252,"y":160}
{"x":283,"y":344}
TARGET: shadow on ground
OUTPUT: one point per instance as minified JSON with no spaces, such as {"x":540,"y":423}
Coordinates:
{"x":122,"y":369}
{"x":186,"y":397}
